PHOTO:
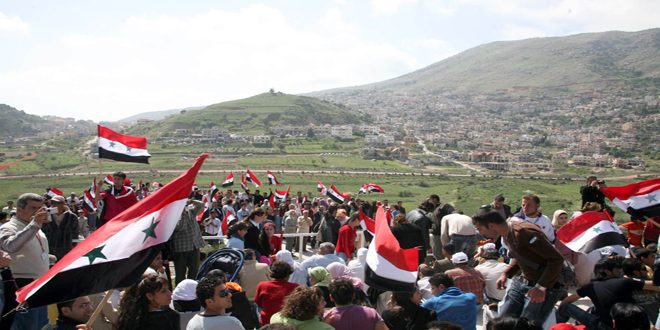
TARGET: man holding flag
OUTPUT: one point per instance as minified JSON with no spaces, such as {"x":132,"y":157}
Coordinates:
{"x":117,"y":198}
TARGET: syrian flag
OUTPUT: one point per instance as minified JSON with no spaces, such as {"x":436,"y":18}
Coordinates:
{"x":88,"y":198}
{"x":250,"y":177}
{"x":123,"y":148}
{"x":640,"y":199}
{"x":321,"y":188}
{"x":229,"y":180}
{"x":52,"y":192}
{"x":367,"y":223}
{"x":213,"y":190}
{"x":281,"y":195}
{"x":271,"y":178}
{"x":335,"y":194}
{"x":372,"y":187}
{"x":271,"y":201}
{"x":109,"y":180}
{"x":591,"y":231}
{"x":389,"y":267}
{"x":116,"y":254}
{"x":224,"y":225}
{"x":363,"y":189}
{"x":244,"y":183}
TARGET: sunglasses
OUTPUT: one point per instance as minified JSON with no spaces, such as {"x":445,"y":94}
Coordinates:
{"x":223,"y":293}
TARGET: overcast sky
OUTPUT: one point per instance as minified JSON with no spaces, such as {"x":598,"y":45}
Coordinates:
{"x":107,"y":60}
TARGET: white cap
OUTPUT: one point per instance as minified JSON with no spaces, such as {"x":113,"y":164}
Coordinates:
{"x":459,"y":258}
{"x":490,"y":246}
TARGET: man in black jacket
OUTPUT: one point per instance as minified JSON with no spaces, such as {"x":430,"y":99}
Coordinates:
{"x":420,"y":218}
{"x":72,"y":313}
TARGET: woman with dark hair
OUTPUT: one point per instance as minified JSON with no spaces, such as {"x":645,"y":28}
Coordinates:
{"x":269,"y":241}
{"x":404,"y":312}
{"x":270,"y":294}
{"x":251,"y":238}
{"x":235,"y":235}
{"x":144,"y":306}
{"x":302,"y":308}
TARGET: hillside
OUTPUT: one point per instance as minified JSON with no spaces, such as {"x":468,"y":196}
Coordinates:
{"x":254,"y":115}
{"x":17,"y":123}
{"x":155,"y":115}
{"x":562,"y":64}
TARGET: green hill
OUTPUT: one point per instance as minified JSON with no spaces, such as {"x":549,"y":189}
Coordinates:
{"x":255,"y":114}
{"x":17,"y":123}
{"x":565,"y":64}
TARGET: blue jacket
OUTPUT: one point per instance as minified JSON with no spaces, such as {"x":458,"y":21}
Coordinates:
{"x":455,"y":306}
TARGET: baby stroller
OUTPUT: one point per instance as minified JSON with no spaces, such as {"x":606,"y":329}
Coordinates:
{"x":231,"y":261}
{"x":228,"y":260}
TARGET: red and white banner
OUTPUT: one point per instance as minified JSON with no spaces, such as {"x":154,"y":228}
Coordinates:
{"x":123,"y":148}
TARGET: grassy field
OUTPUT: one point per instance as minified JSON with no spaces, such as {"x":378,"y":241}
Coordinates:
{"x":466,"y":193}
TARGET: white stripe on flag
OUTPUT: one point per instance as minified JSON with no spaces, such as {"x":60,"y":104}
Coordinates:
{"x":604,"y":226}
{"x":120,"y":148}
{"x":385,"y":269}
{"x":129,"y":240}
{"x":639,"y":201}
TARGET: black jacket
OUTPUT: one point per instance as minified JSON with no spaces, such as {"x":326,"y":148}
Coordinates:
{"x":410,"y":236}
{"x":419,"y":218}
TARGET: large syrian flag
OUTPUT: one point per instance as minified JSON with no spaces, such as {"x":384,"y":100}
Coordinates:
{"x":229,"y":180}
{"x":271,"y":178}
{"x":389,"y":267}
{"x":366,"y":222}
{"x":336,"y":195}
{"x":117,"y":253}
{"x":250,"y":177}
{"x":52,"y":192}
{"x":123,"y":148}
{"x":591,"y":231}
{"x":641,"y":199}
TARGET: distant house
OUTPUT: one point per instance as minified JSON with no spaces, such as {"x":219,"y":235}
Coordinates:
{"x":261,"y":140}
{"x":343,"y":131}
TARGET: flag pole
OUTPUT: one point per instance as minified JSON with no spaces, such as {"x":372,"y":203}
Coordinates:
{"x":99,"y":308}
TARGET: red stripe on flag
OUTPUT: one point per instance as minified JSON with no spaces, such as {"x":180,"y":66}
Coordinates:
{"x":369,"y":222}
{"x":579,"y":225}
{"x":137,"y":142}
{"x":625,"y":192}
{"x":388,"y":247}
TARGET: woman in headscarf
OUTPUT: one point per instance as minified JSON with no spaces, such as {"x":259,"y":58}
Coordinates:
{"x":320,"y":278}
{"x":338,"y":270}
{"x":358,"y":265}
{"x":299,"y":274}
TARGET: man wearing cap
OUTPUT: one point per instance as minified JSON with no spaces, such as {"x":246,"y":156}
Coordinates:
{"x":62,"y":228}
{"x":491,"y":269}
{"x":535,"y":266}
{"x":465,"y":277}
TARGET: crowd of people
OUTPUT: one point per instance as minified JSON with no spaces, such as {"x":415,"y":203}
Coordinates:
{"x":501,"y":265}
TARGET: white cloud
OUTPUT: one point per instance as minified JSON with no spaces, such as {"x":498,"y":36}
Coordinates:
{"x":389,"y":7}
{"x":586,"y":15}
{"x":163,"y":62}
{"x":12,"y":24}
{"x":517,"y":32}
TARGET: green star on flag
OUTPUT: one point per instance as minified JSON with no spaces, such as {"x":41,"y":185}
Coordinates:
{"x":651,"y":198}
{"x":112,"y":144}
{"x":95,"y":253}
{"x":597,"y":229}
{"x":151,"y":230}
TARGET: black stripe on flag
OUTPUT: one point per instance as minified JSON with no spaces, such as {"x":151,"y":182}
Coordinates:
{"x":385,"y":284}
{"x":650,"y":212}
{"x":107,"y":154}
{"x":603,"y":240}
{"x":95,"y":278}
